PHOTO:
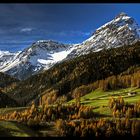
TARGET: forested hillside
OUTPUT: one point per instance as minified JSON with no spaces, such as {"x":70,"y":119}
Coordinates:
{"x":63,"y":78}
{"x":7,"y":83}
{"x":6,"y":101}
{"x":6,"y":80}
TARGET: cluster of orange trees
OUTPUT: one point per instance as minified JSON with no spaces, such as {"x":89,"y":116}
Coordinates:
{"x":129,"y":78}
{"x":99,"y":128}
{"x":79,"y":120}
{"x":123,"y":80}
{"x":35,"y":115}
{"x":121,"y":109}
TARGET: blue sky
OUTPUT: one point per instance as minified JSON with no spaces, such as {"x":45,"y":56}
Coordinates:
{"x":23,"y":24}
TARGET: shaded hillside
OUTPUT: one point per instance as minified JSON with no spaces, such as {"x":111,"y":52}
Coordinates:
{"x":7,"y":83}
{"x":6,"y":80}
{"x":6,"y":101}
{"x":83,"y":70}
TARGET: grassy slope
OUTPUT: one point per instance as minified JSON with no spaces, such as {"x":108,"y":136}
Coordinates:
{"x":99,"y":99}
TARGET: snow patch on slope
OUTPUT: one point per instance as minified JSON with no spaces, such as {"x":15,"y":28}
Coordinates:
{"x":41,"y":55}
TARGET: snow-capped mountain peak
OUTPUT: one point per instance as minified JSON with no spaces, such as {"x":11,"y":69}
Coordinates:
{"x":122,"y":15}
{"x":122,"y":30}
{"x":48,"y":44}
{"x":40,"y":55}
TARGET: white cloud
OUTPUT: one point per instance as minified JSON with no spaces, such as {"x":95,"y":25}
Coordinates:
{"x":86,"y":33}
{"x":70,"y":33}
{"x":26,"y":29}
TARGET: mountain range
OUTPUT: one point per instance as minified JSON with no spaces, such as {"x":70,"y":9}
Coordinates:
{"x":44,"y":54}
{"x":50,"y":70}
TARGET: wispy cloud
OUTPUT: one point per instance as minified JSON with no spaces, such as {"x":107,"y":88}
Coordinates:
{"x":70,"y":33}
{"x":87,"y":33}
{"x":26,"y":29}
{"x":79,"y":33}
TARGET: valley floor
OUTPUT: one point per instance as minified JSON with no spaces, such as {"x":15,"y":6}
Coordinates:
{"x":14,"y":129}
{"x":97,"y":99}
